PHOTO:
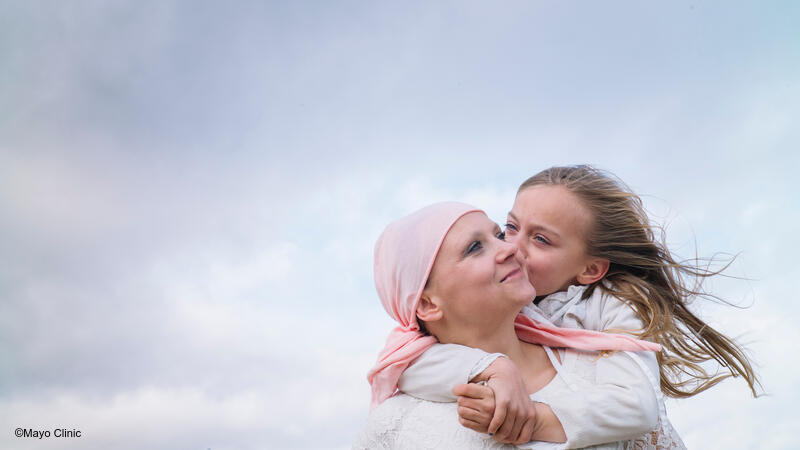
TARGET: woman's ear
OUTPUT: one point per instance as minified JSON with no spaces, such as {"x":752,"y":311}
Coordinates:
{"x":594,"y":270}
{"x":428,"y":310}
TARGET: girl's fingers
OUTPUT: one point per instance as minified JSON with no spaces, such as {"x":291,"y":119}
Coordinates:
{"x":515,"y":431}
{"x":479,"y":404}
{"x":472,"y":425}
{"x":504,"y":433}
{"x":473,"y":390}
{"x":498,"y":418}
{"x":526,"y":433}
{"x":474,"y":416}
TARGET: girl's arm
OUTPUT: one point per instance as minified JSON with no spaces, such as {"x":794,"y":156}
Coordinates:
{"x":620,"y":406}
{"x":608,"y":411}
{"x":476,"y":407}
{"x":433,"y":375}
{"x":624,"y":401}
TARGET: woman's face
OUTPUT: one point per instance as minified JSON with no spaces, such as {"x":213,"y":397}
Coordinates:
{"x":549,"y":224}
{"x":477,"y":276}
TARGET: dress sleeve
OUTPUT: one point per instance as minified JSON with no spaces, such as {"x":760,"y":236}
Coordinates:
{"x":433,"y":374}
{"x":623,"y":403}
{"x":619,"y":407}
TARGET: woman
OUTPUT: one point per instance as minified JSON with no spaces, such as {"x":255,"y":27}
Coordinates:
{"x":446,"y":270}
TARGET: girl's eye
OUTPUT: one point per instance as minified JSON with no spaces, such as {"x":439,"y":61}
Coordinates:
{"x":511,"y":228}
{"x":542,"y":239}
{"x":501,"y":235}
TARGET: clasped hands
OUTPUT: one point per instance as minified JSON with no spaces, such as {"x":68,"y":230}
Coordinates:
{"x":502,"y":408}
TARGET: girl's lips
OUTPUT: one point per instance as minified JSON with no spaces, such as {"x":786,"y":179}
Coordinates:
{"x":513,"y":274}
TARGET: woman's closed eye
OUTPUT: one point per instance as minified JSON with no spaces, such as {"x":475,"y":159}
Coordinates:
{"x":473,"y":247}
{"x":477,"y":245}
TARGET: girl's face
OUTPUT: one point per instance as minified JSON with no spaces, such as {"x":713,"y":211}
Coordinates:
{"x":549,"y":224}
{"x":477,"y":276}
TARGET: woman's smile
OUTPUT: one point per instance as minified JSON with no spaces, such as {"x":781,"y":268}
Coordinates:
{"x":514,"y":274}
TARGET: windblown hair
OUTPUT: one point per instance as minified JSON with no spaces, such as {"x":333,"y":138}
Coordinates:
{"x":643,"y":273}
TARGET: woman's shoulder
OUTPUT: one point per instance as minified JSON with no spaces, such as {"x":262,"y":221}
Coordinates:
{"x":390,"y":413}
{"x":385,"y":422}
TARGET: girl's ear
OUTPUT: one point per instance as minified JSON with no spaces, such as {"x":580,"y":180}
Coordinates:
{"x":428,"y":310}
{"x":594,"y":270}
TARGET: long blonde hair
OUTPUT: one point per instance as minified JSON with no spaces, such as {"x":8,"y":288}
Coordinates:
{"x":644,"y":274}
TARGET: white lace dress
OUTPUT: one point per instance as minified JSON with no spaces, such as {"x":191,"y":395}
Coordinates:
{"x":404,"y":422}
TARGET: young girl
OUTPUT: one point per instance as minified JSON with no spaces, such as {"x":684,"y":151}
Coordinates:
{"x":594,"y":260}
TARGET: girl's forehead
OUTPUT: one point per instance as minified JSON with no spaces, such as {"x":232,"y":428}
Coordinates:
{"x":553,"y":206}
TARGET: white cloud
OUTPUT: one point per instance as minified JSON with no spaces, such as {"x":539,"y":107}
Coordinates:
{"x":189,"y":196}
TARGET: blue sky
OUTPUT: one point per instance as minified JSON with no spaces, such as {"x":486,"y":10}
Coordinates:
{"x":190,"y":192}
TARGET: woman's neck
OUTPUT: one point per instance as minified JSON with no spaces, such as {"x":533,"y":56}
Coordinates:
{"x":531,"y":359}
{"x":497,"y":339}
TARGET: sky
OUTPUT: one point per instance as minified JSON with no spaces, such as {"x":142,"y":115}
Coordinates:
{"x":190,"y":193}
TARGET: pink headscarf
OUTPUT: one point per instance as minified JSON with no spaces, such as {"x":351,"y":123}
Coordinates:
{"x":404,"y":256}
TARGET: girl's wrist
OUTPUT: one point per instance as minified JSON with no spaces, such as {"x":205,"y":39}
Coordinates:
{"x":548,"y":428}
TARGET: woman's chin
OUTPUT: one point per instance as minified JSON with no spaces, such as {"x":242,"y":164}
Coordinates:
{"x":523,"y":298}
{"x":526,"y":293}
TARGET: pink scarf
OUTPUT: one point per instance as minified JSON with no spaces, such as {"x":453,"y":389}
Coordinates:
{"x":404,"y":256}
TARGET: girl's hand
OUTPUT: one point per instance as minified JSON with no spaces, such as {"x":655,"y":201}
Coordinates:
{"x":476,"y":406}
{"x":523,"y":428}
{"x":512,"y":403}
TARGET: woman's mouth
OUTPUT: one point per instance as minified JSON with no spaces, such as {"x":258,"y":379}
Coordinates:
{"x":511,"y":275}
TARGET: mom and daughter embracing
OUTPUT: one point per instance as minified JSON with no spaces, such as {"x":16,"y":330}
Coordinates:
{"x":564,"y":329}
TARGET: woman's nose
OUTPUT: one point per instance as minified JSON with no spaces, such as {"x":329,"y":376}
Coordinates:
{"x":507,"y":250}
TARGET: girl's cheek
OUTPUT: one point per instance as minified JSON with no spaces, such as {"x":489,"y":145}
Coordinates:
{"x":523,"y":249}
{"x":530,"y":267}
{"x":538,"y":267}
